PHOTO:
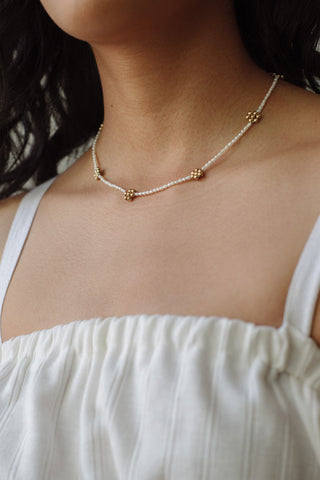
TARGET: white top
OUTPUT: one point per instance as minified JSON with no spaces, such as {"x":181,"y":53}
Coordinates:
{"x":153,"y":397}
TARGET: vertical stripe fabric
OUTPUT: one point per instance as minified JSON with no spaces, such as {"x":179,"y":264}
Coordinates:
{"x":160,"y":397}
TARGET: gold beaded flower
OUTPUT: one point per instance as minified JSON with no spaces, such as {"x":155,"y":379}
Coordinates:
{"x":130,"y":194}
{"x":197,"y":173}
{"x":254,"y":117}
{"x":96,"y":173}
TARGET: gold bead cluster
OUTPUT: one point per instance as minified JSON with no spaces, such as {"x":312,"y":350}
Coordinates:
{"x":279,"y":75}
{"x":254,"y":117}
{"x":197,"y":173}
{"x":130,"y":194}
{"x":97,"y":173}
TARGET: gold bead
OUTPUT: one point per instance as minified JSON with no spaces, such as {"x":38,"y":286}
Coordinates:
{"x":254,"y":117}
{"x":97,"y":173}
{"x":197,"y":173}
{"x":280,"y":75}
{"x":130,"y":194}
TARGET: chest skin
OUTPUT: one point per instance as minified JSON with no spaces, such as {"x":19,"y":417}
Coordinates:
{"x":220,"y":246}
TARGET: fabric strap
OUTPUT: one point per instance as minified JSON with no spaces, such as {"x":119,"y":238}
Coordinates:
{"x":305,"y":285}
{"x":18,"y":233}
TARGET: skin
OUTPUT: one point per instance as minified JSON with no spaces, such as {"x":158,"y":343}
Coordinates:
{"x":177,"y":82}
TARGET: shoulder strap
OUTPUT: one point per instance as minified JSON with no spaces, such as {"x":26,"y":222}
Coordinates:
{"x":17,"y":235}
{"x":305,"y":285}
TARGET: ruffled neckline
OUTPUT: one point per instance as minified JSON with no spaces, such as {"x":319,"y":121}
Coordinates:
{"x":284,"y":349}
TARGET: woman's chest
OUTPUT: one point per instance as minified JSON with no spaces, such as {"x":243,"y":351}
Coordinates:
{"x":236,"y":264}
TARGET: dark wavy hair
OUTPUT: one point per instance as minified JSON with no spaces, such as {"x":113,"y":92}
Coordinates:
{"x":50,"y":92}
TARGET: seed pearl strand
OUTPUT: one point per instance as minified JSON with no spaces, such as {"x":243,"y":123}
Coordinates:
{"x":197,"y":173}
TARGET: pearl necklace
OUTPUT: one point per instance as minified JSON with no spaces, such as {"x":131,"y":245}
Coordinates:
{"x":197,"y":173}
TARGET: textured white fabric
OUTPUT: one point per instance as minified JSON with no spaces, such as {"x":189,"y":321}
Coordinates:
{"x":153,"y":397}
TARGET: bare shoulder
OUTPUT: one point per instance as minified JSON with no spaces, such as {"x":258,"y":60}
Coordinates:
{"x":8,"y":208}
{"x":295,"y":135}
{"x":291,"y":148}
{"x":303,"y":126}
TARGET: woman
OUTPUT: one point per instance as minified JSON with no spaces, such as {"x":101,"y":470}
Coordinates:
{"x":174,"y":334}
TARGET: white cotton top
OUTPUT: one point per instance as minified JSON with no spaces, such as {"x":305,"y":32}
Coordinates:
{"x":162,"y":396}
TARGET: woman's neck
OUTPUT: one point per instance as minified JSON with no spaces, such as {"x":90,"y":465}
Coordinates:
{"x":176,"y":88}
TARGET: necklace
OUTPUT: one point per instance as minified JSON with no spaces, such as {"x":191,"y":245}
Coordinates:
{"x":197,"y":173}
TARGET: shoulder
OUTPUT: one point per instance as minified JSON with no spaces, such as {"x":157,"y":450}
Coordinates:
{"x":294,"y":136}
{"x":296,"y":150}
{"x":8,"y":208}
